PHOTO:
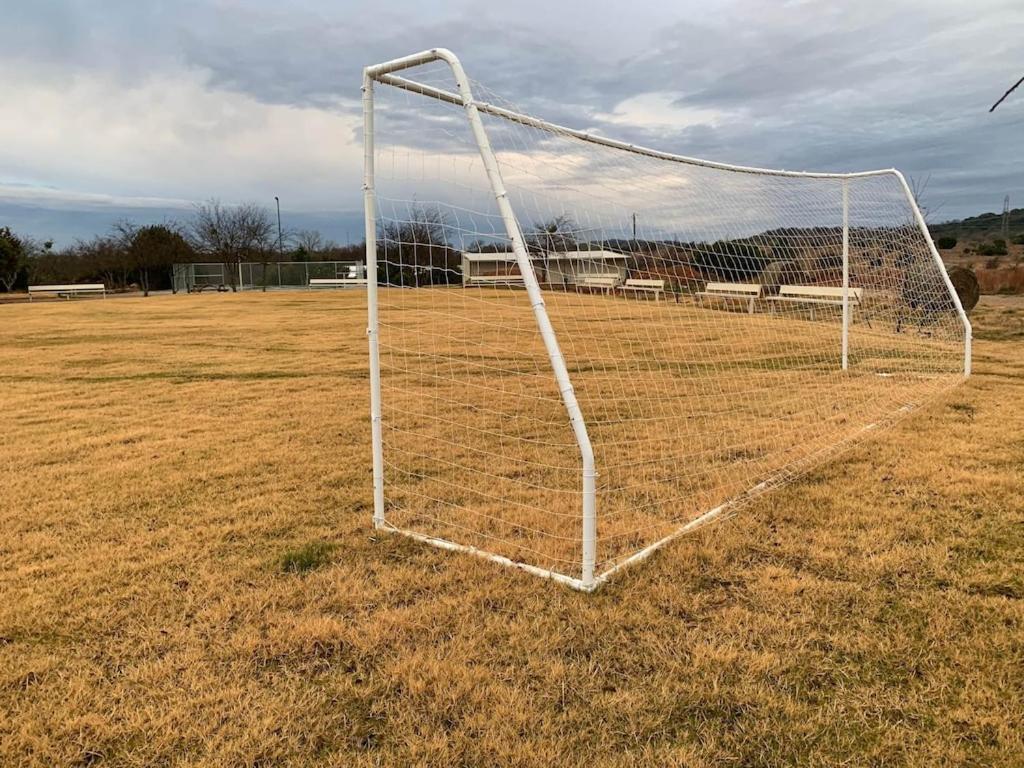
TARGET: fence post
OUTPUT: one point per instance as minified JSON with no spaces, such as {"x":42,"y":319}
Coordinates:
{"x":846,"y":273}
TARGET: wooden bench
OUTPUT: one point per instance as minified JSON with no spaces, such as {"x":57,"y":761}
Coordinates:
{"x":816,"y":295}
{"x":605,"y":282}
{"x":748,"y":292}
{"x":638,"y":286}
{"x":341,"y":282}
{"x":67,"y":291}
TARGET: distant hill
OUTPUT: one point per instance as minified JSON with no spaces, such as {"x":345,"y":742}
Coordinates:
{"x":982,"y":227}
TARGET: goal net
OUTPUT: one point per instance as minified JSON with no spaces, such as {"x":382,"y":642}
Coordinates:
{"x":582,"y":348}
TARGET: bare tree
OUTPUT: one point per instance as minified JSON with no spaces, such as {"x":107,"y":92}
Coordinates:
{"x":919,"y":189}
{"x":554,"y":236}
{"x":233,"y":234}
{"x":103,"y":256}
{"x":308,"y":243}
{"x":557,"y":235}
{"x":416,"y":251}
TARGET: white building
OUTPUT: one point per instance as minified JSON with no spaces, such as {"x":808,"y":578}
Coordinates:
{"x":562,"y":268}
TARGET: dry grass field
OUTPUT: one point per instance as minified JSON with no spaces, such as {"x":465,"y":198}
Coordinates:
{"x":188,"y":575}
{"x":687,"y":407}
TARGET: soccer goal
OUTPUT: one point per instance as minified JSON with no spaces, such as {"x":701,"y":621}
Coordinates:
{"x":581,"y":348}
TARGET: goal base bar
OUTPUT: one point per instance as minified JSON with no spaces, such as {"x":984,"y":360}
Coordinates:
{"x":451,"y":546}
{"x":561,"y":578}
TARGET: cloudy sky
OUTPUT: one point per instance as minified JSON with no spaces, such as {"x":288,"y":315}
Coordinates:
{"x":140,"y":109}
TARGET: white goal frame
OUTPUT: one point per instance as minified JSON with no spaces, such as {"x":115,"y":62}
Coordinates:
{"x":384,"y":73}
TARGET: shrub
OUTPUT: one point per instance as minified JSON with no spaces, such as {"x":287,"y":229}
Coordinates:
{"x":996,"y":248}
{"x":946,"y":243}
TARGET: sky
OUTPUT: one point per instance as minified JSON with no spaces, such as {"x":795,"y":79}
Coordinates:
{"x":141,"y":109}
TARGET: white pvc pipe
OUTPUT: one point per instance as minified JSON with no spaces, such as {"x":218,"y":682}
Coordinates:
{"x":923,"y":226}
{"x":846,"y":274}
{"x":464,"y":98}
{"x":451,"y":546}
{"x":547,"y":332}
{"x":370,"y":221}
{"x":519,"y":117}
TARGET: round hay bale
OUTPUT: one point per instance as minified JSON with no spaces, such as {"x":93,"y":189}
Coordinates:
{"x":966,"y":284}
{"x":779,"y":273}
{"x":924,"y":289}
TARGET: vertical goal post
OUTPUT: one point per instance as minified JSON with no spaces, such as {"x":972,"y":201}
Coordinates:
{"x":435,"y":358}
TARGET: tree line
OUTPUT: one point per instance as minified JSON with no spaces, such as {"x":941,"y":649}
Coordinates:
{"x":416,"y":249}
{"x":143,"y":256}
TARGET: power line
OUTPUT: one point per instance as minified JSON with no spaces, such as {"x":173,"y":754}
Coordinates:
{"x":1003,"y":97}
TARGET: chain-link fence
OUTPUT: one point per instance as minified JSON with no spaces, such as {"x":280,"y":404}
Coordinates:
{"x":272,"y":275}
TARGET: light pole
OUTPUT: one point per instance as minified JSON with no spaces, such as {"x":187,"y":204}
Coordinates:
{"x":280,"y":246}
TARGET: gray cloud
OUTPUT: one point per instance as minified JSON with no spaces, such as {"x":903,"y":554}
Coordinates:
{"x":798,"y":85}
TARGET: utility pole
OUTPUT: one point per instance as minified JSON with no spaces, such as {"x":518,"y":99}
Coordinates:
{"x":1006,"y":218}
{"x":280,"y":242}
{"x":634,"y":227}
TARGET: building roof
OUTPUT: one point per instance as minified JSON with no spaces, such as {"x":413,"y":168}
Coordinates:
{"x":558,"y":256}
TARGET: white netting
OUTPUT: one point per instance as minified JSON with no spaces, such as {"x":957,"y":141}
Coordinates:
{"x":691,"y":402}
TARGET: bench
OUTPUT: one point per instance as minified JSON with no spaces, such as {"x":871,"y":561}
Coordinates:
{"x":638,"y":286}
{"x":605,"y":282}
{"x":748,"y":292}
{"x":814,"y":295}
{"x":67,"y":291}
{"x":341,"y":282}
{"x":493,"y":280}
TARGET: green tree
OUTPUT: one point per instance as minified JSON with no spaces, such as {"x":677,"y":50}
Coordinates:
{"x":157,"y":247}
{"x":12,"y":257}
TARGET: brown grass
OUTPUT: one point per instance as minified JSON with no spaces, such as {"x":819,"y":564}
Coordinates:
{"x":163,"y":459}
{"x":686,"y":406}
{"x":1003,"y":280}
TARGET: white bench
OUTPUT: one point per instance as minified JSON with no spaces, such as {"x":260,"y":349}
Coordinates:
{"x":637,"y":286}
{"x":493,"y":280}
{"x":67,"y":291}
{"x":341,"y":282}
{"x":814,"y":295}
{"x":605,"y":282}
{"x":748,"y":292}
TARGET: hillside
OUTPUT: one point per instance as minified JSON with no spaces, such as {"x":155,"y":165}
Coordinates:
{"x":985,"y":226}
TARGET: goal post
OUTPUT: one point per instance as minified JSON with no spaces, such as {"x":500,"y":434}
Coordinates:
{"x":515,"y":237}
{"x":547,"y":380}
